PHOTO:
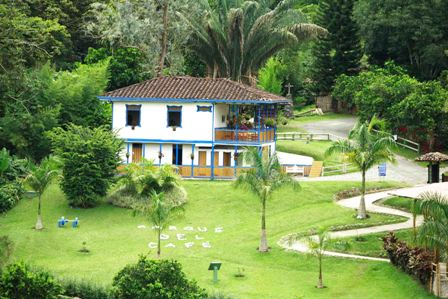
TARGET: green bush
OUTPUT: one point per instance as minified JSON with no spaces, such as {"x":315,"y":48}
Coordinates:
{"x":90,"y":158}
{"x":9,"y":196}
{"x":19,"y":281}
{"x":159,"y":279}
{"x":84,"y":290}
{"x":6,"y":248}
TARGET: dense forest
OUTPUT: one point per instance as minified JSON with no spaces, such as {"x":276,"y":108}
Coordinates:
{"x":382,"y":57}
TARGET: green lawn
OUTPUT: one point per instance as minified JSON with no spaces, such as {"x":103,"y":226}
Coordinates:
{"x":315,"y":149}
{"x":369,"y":245}
{"x":401,"y":203}
{"x":295,"y":125}
{"x":114,"y":240}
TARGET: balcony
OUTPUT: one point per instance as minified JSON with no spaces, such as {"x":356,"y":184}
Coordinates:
{"x":235,"y":136}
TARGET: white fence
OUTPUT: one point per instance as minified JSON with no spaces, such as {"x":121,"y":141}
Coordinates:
{"x":307,"y":136}
{"x":409,"y":144}
{"x":339,"y":168}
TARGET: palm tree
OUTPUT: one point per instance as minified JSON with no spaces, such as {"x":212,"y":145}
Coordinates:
{"x":158,"y":211}
{"x":433,"y":233}
{"x":39,"y":178}
{"x":364,"y":149}
{"x":236,"y":37}
{"x":263,"y":179}
{"x":317,"y":244}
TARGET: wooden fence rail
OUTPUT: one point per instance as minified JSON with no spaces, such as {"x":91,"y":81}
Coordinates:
{"x":307,"y":136}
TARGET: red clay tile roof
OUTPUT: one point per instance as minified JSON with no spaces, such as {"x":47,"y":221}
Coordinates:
{"x":194,"y":88}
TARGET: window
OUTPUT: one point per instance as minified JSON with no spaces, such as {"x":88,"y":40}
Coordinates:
{"x":174,"y":116}
{"x":204,"y":108}
{"x":133,"y":115}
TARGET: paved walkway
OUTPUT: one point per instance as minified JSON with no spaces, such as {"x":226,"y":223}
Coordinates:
{"x":403,"y":171}
{"x":352,"y":203}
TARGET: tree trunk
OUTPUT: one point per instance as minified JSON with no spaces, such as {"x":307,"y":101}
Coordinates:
{"x":431,"y":141}
{"x":39,"y":224}
{"x":263,"y":241}
{"x":158,"y":242}
{"x":320,"y":283}
{"x":414,"y":221}
{"x":163,"y":40}
{"x":362,"y":202}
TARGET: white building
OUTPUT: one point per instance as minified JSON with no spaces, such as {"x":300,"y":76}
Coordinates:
{"x":198,"y":124}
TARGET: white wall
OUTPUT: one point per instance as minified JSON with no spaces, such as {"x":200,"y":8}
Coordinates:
{"x":220,"y":111}
{"x":195,"y":125}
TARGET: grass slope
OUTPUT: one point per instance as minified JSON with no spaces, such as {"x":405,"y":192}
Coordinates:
{"x":369,"y":245}
{"x":114,"y":240}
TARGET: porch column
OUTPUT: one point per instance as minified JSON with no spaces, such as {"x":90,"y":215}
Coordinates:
{"x":259,"y":121}
{"x":192,"y":160}
{"x":236,"y":125}
{"x":275,"y":125}
{"x":127,"y":154}
{"x":235,"y":160}
{"x":213,"y":162}
{"x":160,"y":154}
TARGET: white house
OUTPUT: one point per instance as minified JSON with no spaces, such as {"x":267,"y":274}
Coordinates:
{"x":198,"y":124}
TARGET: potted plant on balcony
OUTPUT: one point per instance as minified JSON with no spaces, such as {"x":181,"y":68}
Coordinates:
{"x":269,"y":122}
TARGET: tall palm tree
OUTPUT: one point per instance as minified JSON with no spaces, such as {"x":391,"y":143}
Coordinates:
{"x":263,"y":179}
{"x":39,"y":178}
{"x":433,"y":233}
{"x":236,"y":37}
{"x":317,"y":244}
{"x":365,"y":149}
{"x":159,"y":212}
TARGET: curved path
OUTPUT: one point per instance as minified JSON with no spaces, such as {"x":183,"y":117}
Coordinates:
{"x":302,"y":246}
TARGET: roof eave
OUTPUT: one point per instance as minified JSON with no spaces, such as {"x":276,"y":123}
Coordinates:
{"x":171,"y":100}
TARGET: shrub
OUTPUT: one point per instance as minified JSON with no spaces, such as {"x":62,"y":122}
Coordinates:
{"x":6,"y":248}
{"x":139,"y":180}
{"x":414,"y":261}
{"x":9,"y":195}
{"x":90,"y":158}
{"x":84,"y":290}
{"x":19,"y":281}
{"x":160,"y":279}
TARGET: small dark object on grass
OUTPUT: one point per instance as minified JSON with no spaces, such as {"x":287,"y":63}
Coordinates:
{"x":360,"y":239}
{"x":84,"y":248}
{"x":240,"y":272}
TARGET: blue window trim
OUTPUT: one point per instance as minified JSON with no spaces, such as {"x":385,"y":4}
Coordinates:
{"x":209,"y":108}
{"x":170,"y":109}
{"x":139,"y":118}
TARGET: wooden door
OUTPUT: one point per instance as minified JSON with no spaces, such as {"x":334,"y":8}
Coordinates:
{"x":202,"y":158}
{"x":226,"y":159}
{"x":137,"y":152}
{"x":216,"y":159}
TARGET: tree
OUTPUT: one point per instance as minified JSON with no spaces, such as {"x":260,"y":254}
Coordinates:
{"x":269,"y":76}
{"x":364,"y":149}
{"x":46,"y":99}
{"x":339,"y":52}
{"x":155,"y":279}
{"x":317,"y":244}
{"x":125,"y":65}
{"x":143,"y":24}
{"x":414,"y":35}
{"x":90,"y":160}
{"x":263,"y":179}
{"x":20,"y":281}
{"x":158,"y":210}
{"x":39,"y":178}
{"x":236,"y":38}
